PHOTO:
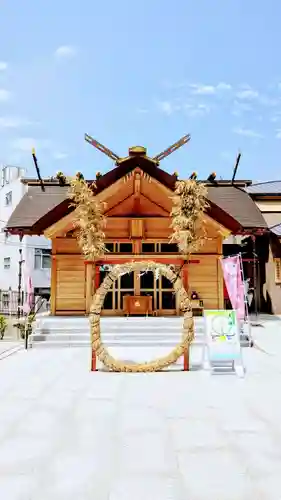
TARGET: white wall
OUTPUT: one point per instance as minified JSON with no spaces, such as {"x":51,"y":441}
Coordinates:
{"x":9,"y":246}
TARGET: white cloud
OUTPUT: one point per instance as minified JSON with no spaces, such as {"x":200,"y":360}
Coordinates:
{"x":224,"y":86}
{"x":200,"y":89}
{"x":65,"y":52}
{"x":13,"y":122}
{"x":166,"y":107}
{"x":4,"y":95}
{"x":247,"y":133}
{"x":247,"y":94}
{"x":3,"y":65}
{"x":278,"y":133}
{"x":203,"y":89}
{"x":60,"y":156}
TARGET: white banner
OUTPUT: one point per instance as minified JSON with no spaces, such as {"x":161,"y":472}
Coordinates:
{"x":222,"y":335}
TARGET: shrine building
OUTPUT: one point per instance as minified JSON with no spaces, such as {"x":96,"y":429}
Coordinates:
{"x":138,"y":200}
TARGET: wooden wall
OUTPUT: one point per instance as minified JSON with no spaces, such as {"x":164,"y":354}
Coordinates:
{"x":72,"y":288}
{"x":205,"y":278}
{"x":68,"y":294}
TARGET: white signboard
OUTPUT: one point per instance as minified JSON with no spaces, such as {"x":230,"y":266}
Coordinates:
{"x":222,"y":336}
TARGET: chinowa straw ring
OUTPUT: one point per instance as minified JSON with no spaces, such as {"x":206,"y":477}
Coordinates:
{"x":188,"y":325}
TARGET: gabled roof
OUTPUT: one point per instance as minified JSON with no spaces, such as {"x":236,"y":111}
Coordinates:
{"x":238,"y":204}
{"x":35,"y":205}
{"x":276,"y":230}
{"x":265,"y":188}
{"x":229,"y":204}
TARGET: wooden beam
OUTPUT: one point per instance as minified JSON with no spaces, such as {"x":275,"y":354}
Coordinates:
{"x":53,"y":279}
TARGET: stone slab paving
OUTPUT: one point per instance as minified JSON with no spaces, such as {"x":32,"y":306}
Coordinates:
{"x":66,"y":433}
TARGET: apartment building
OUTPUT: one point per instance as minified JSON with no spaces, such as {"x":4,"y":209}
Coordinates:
{"x":35,"y":250}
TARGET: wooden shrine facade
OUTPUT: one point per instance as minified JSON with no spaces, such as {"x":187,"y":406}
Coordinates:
{"x":138,"y":202}
{"x":138,"y":228}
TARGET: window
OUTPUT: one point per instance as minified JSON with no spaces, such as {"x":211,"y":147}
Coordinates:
{"x":8,"y":199}
{"x":109,"y":247}
{"x":119,"y":247}
{"x":125,"y":247}
{"x":42,"y":258}
{"x":7,"y":262}
{"x":148,"y":247}
{"x":5,"y":300}
{"x":168,"y":248}
{"x":277,"y":264}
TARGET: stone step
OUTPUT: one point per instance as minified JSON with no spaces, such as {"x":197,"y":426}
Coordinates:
{"x":68,"y":339}
{"x":118,"y":334}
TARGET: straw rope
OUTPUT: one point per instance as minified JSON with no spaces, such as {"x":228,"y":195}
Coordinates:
{"x":98,"y":300}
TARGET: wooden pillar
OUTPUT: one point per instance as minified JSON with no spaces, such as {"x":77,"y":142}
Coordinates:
{"x":93,"y":361}
{"x":54,"y":278}
{"x":186,"y":360}
{"x":185,"y":276}
{"x":97,"y":277}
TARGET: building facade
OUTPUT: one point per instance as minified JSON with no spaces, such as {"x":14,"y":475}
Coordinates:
{"x":35,"y":251}
{"x":267,"y":196}
{"x":138,"y":197}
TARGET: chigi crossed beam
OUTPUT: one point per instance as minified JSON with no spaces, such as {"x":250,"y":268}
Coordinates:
{"x":184,"y":140}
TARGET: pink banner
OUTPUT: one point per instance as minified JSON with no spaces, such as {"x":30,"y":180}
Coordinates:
{"x":233,"y":278}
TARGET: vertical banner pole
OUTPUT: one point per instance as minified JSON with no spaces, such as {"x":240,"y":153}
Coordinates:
{"x":246,"y":319}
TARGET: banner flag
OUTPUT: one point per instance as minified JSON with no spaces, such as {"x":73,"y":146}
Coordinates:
{"x":234,"y":283}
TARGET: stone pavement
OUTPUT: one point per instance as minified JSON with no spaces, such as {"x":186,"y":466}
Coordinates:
{"x":66,"y":433}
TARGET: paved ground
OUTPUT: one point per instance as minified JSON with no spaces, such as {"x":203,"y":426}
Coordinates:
{"x":66,"y":433}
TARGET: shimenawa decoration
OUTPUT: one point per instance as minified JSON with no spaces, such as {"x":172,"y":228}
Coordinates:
{"x":89,"y":218}
{"x":189,"y":204}
{"x":159,"y":363}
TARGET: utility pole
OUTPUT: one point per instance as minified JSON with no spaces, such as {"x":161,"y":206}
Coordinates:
{"x":19,"y":283}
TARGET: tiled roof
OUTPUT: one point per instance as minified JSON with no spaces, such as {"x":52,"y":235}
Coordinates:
{"x":238,"y":204}
{"x":276,"y":229}
{"x":269,"y":187}
{"x":38,"y":210}
{"x":35,"y":204}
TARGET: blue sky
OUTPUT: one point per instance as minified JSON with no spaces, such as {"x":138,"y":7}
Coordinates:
{"x":142,"y":73}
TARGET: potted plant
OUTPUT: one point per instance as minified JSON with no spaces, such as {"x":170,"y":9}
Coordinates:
{"x":25,"y":325}
{"x":3,"y":326}
{"x":61,"y":178}
{"x":79,"y":176}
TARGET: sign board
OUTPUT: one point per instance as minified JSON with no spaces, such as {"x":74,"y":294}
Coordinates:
{"x":222,"y":335}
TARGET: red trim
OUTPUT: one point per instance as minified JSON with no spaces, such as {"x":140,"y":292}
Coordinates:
{"x":185,"y":277}
{"x":93,"y":362}
{"x":121,"y":260}
{"x":186,"y":360}
{"x":124,"y":260}
{"x":97,"y":277}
